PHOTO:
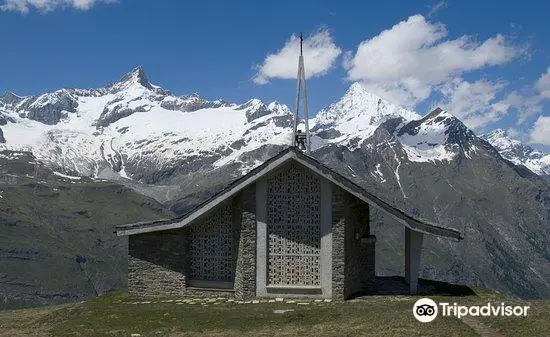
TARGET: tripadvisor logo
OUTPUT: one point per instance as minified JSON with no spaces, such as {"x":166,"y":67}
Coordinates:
{"x":425,"y":310}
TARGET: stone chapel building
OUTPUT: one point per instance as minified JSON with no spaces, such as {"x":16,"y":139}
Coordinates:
{"x":290,"y":227}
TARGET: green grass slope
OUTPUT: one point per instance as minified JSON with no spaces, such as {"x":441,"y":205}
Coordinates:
{"x":120,"y":314}
{"x":56,"y":234}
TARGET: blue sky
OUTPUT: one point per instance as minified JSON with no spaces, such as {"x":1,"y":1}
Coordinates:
{"x":219,"y":48}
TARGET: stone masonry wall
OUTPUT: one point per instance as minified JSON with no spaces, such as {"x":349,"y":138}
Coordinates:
{"x":156,"y":265}
{"x":353,"y":254}
{"x":366,"y":264}
{"x":352,"y":272}
{"x":359,"y":251}
{"x":245,"y":274}
{"x":338,"y":242}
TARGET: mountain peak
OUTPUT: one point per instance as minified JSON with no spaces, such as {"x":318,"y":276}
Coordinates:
{"x":10,"y":94}
{"x":10,"y":98}
{"x":355,"y":87}
{"x":501,"y":139}
{"x":439,"y":130}
{"x":356,"y":91}
{"x":252,"y":105}
{"x":440,"y":114}
{"x":279,"y":108}
{"x":136,"y":77}
{"x":517,"y":152}
{"x":194,"y":95}
{"x":360,"y":108}
{"x":497,"y":133}
{"x":255,"y":108}
{"x":437,"y":111}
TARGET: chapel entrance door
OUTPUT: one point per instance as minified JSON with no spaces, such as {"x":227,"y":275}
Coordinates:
{"x":293,"y":228}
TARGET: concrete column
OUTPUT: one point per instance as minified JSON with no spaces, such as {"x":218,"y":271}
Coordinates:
{"x":326,"y":238}
{"x":261,"y":238}
{"x":413,"y":248}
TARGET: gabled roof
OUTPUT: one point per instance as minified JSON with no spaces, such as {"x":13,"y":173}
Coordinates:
{"x":270,"y":165}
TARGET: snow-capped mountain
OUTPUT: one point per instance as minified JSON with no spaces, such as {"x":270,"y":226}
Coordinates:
{"x":135,"y":129}
{"x":519,"y":153}
{"x":356,"y":116}
{"x":437,"y":136}
{"x":133,"y":123}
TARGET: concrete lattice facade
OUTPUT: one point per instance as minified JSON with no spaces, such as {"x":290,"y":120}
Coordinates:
{"x":239,"y":234}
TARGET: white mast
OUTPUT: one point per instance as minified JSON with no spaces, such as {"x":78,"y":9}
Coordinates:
{"x":301,"y":138}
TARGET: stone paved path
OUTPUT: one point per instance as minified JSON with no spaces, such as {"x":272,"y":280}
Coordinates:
{"x":219,"y":300}
{"x":481,"y":329}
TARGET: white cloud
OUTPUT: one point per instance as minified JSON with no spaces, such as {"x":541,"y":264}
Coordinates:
{"x":543,"y":85}
{"x":319,"y":50}
{"x":482,"y":102}
{"x":526,"y":104}
{"x":437,"y":7}
{"x":540,"y":134}
{"x":528,"y":101}
{"x":410,"y":60}
{"x":44,"y":6}
{"x":476,"y":103}
{"x":514,"y":133}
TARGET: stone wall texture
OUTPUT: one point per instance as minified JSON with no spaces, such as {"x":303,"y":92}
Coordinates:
{"x":245,"y":274}
{"x":156,"y":265}
{"x":353,"y":253}
{"x":359,"y":250}
{"x":338,"y":242}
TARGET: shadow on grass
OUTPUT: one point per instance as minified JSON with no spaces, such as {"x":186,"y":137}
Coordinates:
{"x":396,"y":285}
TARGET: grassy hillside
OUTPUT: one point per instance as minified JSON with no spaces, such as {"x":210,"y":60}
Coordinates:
{"x":56,"y":234}
{"x":120,"y":314}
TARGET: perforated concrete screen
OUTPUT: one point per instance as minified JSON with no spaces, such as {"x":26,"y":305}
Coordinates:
{"x":211,"y":247}
{"x":293,"y":227}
